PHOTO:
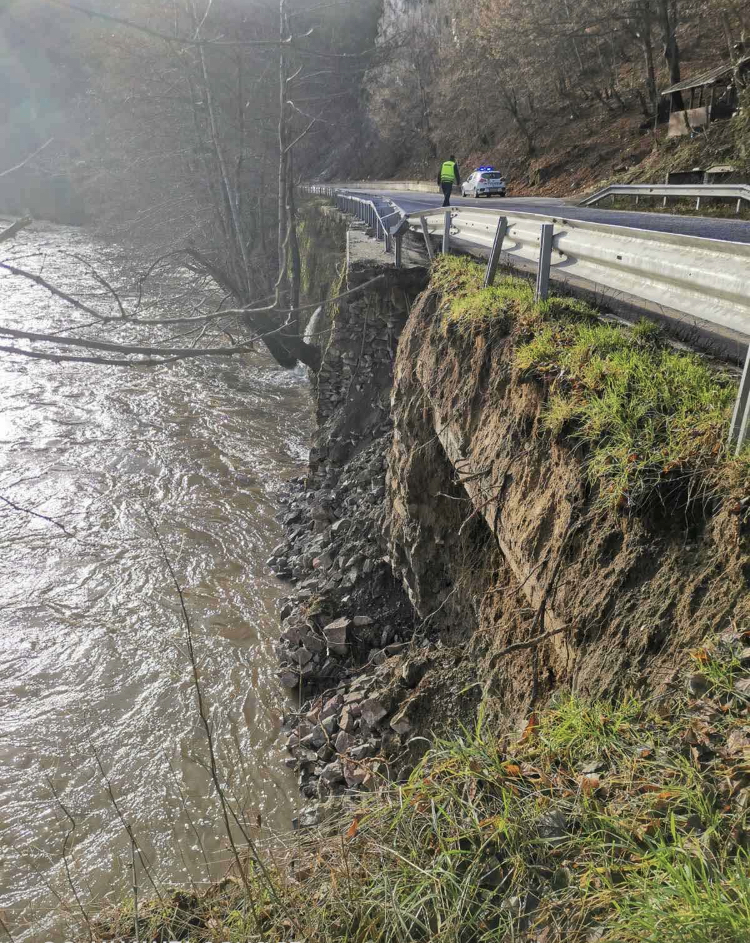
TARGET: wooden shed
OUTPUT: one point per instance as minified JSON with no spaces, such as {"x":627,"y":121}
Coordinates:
{"x":713,"y":96}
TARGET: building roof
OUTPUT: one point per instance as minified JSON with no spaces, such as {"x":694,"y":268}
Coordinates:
{"x":708,"y":77}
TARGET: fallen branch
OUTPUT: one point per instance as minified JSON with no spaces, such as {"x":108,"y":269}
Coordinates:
{"x":127,"y":826}
{"x":25,"y":161}
{"x":213,"y":767}
{"x":42,"y":517}
{"x":19,"y":224}
{"x":4,"y":928}
{"x":43,"y":283}
{"x":66,"y":863}
{"x":225,"y":313}
{"x":102,"y":361}
{"x":67,"y":341}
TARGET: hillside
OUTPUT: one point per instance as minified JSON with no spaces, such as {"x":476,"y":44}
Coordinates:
{"x":560,"y":107}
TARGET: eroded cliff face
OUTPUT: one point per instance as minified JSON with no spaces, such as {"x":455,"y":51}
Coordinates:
{"x":498,"y":539}
{"x":448,"y":559}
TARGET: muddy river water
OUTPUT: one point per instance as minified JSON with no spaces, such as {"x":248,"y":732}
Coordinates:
{"x":92,"y":654}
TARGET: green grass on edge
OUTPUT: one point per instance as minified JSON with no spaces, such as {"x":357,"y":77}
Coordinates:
{"x":654,"y":420}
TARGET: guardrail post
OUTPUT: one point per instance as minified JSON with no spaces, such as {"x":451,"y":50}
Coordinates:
{"x":497,"y":245}
{"x":741,"y":414}
{"x":447,"y":233}
{"x":399,"y":241}
{"x":545,"y":259}
{"x":426,"y":234}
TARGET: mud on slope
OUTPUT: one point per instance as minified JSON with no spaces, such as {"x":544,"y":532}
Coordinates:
{"x":498,"y":538}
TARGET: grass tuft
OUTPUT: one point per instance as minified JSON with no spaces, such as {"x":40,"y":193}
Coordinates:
{"x":653,"y":420}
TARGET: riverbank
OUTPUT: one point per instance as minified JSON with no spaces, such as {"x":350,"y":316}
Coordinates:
{"x":612,"y":822}
{"x":565,"y":439}
{"x":519,"y":563}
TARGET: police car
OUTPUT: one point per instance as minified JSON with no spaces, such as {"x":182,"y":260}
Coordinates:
{"x":485,"y":181}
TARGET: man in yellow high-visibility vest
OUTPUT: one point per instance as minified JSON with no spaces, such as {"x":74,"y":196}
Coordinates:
{"x":447,"y":176}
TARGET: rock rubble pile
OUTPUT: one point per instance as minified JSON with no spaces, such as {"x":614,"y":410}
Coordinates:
{"x":347,"y":622}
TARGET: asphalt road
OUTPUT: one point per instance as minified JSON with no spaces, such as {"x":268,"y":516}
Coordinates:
{"x":412,"y":201}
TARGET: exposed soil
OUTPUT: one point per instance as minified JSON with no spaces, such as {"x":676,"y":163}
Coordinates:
{"x":440,"y":532}
{"x":629,"y":594}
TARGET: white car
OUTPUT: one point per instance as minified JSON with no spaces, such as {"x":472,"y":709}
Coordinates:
{"x":484,"y":182}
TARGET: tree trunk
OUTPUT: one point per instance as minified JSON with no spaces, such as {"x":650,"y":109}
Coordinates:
{"x":281,"y":283}
{"x":668,"y":15}
{"x":296,"y":263}
{"x":648,"y":54}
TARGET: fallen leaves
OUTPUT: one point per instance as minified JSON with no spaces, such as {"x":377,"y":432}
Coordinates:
{"x":531,"y":728}
{"x":589,"y":783}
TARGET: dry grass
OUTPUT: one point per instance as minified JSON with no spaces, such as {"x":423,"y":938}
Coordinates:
{"x":614,"y":819}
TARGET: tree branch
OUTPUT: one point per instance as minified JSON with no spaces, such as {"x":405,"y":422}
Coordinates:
{"x":25,"y":161}
{"x":179,"y":40}
{"x":20,"y":224}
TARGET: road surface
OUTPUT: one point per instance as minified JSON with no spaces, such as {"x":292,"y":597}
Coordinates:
{"x":731,"y":230}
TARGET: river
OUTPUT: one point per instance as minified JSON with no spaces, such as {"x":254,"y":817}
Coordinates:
{"x":92,"y":646}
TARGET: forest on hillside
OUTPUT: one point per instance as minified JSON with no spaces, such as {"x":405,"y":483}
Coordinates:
{"x":543,"y":88}
{"x":186,"y":125}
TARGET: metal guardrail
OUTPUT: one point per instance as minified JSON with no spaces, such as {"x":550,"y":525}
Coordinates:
{"x":699,"y":191}
{"x":369,"y":211}
{"x":417,"y":185}
{"x":707,"y":279}
{"x":320,"y":190}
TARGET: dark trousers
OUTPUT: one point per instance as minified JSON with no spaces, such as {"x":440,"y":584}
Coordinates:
{"x":447,"y":188}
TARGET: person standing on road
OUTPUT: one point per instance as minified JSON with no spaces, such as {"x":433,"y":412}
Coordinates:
{"x":447,"y":176}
